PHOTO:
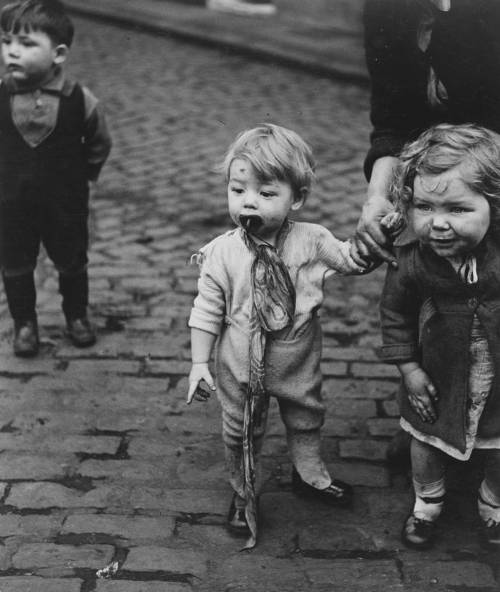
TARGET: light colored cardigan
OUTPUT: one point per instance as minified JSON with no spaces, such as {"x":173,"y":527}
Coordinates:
{"x":311,"y":254}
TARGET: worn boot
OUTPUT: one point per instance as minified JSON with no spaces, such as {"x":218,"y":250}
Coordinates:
{"x":80,"y":332}
{"x":21,"y":299}
{"x":26,"y":341}
{"x":74,"y":289}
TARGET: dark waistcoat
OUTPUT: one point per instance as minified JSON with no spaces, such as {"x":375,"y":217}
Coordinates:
{"x":56,"y":168}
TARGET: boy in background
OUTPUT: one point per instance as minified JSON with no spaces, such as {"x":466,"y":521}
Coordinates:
{"x":53,"y":142}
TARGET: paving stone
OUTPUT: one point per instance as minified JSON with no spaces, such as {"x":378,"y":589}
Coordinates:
{"x":54,"y":444}
{"x":34,"y":584}
{"x":129,"y":527}
{"x":362,"y":370}
{"x":35,"y":555}
{"x":334,"y":368}
{"x":360,"y":473}
{"x":382,"y":426}
{"x":178,"y":561}
{"x":127,"y":470}
{"x":352,"y":354}
{"x":149,"y":586}
{"x":449,"y":573}
{"x":351,"y":408}
{"x":92,"y":367}
{"x":33,"y":526}
{"x":169,"y":367}
{"x":260,"y":571}
{"x":349,"y":571}
{"x":391,"y":408}
{"x":22,"y":466}
{"x":364,"y":449}
{"x":13,"y":365}
{"x":350,"y":388}
{"x":44,"y":495}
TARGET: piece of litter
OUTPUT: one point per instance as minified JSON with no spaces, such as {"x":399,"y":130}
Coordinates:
{"x":109,"y":571}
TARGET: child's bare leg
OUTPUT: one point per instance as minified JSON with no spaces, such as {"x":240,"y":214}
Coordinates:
{"x":428,"y":471}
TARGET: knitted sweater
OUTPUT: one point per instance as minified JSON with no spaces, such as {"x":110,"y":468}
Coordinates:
{"x":310,"y":252}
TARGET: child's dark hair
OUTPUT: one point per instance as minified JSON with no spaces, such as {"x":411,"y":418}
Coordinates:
{"x":48,"y":16}
{"x":474,"y":150}
{"x":274,"y":152}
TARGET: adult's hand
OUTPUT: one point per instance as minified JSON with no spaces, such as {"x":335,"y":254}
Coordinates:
{"x":370,"y":239}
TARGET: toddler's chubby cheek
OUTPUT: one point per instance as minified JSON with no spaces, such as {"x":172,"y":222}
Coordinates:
{"x":251,"y":222}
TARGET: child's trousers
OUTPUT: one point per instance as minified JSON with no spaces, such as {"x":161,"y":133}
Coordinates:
{"x":21,"y":295}
{"x":293,"y":376}
{"x":59,"y":222}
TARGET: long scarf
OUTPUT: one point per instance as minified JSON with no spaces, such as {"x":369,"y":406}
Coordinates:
{"x":273,"y":308}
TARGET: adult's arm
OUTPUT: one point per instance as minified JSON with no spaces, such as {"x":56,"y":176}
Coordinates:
{"x":398,"y":74}
{"x":370,"y":238}
{"x":398,"y":109}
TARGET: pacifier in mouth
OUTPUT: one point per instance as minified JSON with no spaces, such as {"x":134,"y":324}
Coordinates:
{"x":251,"y":222}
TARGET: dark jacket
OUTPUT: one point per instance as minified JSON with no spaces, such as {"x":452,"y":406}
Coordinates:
{"x":464,"y":52}
{"x":426,"y":315}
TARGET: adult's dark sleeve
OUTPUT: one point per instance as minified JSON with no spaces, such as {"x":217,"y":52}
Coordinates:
{"x":489,"y":92}
{"x":398,"y":73}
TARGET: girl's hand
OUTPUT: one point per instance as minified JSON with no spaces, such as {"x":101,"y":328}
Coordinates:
{"x":422,"y":394}
{"x":198,"y":373}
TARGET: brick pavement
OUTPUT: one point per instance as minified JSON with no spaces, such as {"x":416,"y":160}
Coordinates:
{"x":101,"y":461}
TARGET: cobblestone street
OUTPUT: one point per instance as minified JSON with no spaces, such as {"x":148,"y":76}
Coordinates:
{"x":101,"y":461}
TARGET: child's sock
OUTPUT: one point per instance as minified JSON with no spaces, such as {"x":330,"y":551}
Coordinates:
{"x":428,"y":499}
{"x":488,"y":504}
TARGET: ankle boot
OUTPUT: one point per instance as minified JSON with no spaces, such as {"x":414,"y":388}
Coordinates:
{"x":26,"y":342}
{"x":21,"y":299}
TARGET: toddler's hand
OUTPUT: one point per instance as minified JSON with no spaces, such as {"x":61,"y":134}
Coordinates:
{"x":198,"y":373}
{"x":422,"y":394}
{"x":393,"y":224}
{"x":367,"y":262}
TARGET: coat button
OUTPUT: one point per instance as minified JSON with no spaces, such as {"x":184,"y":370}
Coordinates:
{"x":472,"y":302}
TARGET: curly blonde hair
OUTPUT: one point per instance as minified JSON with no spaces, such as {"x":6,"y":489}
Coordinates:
{"x":474,"y":150}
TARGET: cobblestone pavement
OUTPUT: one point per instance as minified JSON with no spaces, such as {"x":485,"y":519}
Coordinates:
{"x":102,"y":462}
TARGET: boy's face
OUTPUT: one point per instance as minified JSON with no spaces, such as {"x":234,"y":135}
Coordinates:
{"x":30,"y":56}
{"x":447,"y":215}
{"x":265,"y":203}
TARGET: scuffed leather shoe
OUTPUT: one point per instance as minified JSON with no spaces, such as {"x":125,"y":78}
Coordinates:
{"x":337,"y":493}
{"x":80,"y":332}
{"x":26,"y":342}
{"x":418,"y":533}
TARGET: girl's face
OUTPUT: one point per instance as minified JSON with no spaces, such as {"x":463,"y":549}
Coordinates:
{"x":447,"y":215}
{"x":265,"y":203}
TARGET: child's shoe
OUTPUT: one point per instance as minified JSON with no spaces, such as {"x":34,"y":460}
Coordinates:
{"x":418,"y":533}
{"x":80,"y":332}
{"x":337,"y":493}
{"x":490,"y":533}
{"x":236,"y":521}
{"x":26,"y":342}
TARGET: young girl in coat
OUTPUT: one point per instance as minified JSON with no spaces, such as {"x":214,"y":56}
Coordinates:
{"x":440,"y":316}
{"x":260,"y":287}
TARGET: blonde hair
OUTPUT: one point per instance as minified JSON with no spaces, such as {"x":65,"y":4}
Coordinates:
{"x":473,"y":149}
{"x":274,"y":152}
